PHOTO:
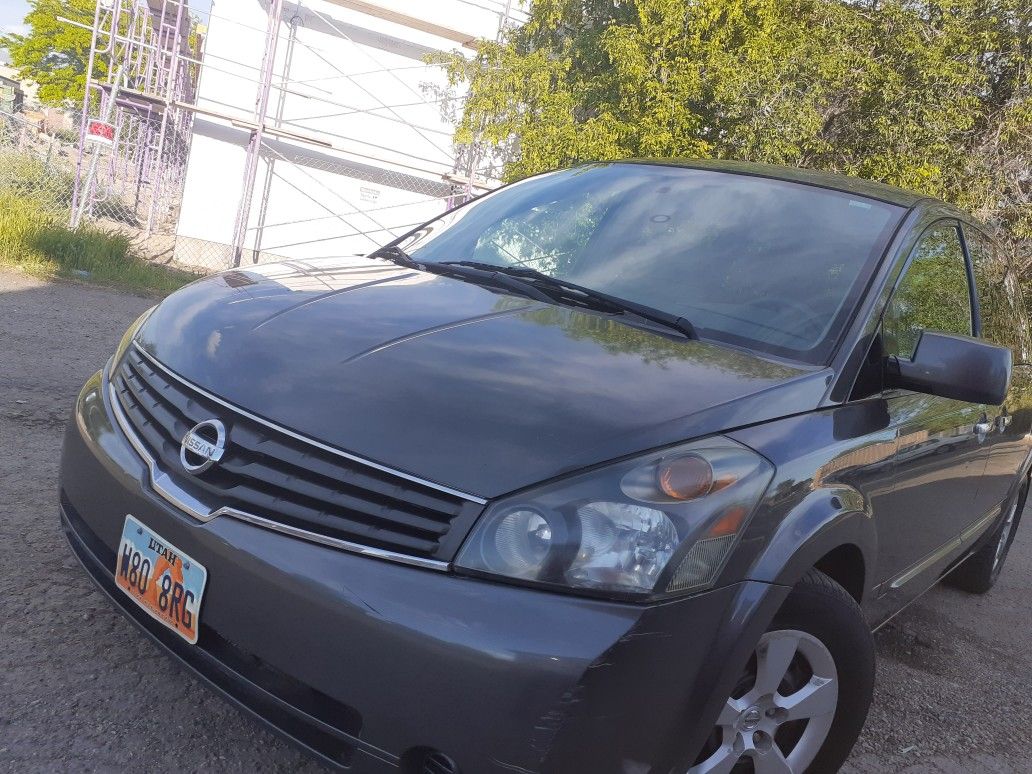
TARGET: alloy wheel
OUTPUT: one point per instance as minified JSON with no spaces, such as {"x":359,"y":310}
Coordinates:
{"x":1005,"y":534}
{"x":783,"y":710}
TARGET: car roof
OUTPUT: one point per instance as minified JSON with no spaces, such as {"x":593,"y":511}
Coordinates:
{"x":854,"y":185}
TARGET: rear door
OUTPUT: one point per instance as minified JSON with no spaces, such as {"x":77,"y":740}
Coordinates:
{"x":941,"y":449}
{"x":1004,"y":322}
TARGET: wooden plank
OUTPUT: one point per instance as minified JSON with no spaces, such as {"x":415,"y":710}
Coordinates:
{"x":397,"y":17}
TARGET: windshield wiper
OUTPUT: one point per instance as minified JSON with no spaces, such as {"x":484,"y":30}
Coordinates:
{"x":560,"y":289}
{"x":394,"y":254}
{"x":540,"y":287}
{"x":482,"y":273}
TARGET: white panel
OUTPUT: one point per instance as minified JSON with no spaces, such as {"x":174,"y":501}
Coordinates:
{"x":352,"y":82}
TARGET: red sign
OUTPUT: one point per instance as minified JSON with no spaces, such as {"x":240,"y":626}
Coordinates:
{"x":100,"y":132}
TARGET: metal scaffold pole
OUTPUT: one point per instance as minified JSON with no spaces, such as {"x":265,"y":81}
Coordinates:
{"x":172,"y":82}
{"x":254,"y":144}
{"x":136,"y":77}
{"x":281,"y":100}
{"x":90,"y":177}
{"x":76,"y":194}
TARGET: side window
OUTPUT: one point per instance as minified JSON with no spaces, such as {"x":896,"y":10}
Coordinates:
{"x":934,"y":294}
{"x":999,"y":296}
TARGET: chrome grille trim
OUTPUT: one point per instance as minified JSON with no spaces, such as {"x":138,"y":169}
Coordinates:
{"x":159,"y":480}
{"x":166,"y":488}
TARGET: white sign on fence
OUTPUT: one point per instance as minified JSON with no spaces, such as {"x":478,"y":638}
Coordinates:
{"x":100,"y":132}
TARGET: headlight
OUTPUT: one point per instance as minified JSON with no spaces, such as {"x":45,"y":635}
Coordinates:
{"x":661,"y":524}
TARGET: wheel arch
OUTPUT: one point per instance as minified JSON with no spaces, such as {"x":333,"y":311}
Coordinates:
{"x":831,"y":530}
{"x":846,"y":566}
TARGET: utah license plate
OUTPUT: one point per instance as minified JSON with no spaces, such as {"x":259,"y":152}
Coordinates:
{"x":160,"y":578}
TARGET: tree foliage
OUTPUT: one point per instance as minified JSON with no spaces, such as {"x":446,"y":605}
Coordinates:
{"x":930,"y":95}
{"x":54,"y":54}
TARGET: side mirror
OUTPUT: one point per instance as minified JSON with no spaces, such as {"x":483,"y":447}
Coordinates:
{"x":953,"y":366}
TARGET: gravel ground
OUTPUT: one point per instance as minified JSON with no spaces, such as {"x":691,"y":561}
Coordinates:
{"x":953,"y":677}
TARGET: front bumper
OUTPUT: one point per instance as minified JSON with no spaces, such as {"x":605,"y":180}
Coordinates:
{"x":368,"y":664}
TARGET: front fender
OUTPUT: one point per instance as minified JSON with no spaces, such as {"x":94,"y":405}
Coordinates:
{"x":825,"y":520}
{"x":831,"y":466}
{"x":649,"y":702}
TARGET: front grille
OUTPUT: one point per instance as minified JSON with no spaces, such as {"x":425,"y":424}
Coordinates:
{"x":286,"y":480}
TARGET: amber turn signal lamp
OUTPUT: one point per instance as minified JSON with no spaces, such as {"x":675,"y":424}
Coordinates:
{"x":685,"y":478}
{"x":729,"y":523}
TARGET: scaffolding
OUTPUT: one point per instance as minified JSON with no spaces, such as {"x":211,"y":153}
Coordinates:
{"x":303,"y":112}
{"x":141,"y":73}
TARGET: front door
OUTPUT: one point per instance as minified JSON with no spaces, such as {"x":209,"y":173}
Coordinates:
{"x":940,"y":443}
{"x":1004,"y":322}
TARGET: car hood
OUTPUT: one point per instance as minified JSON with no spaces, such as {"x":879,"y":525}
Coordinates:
{"x":474,"y":389}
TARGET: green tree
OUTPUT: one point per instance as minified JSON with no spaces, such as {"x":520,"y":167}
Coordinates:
{"x":53,"y":53}
{"x":931,"y":95}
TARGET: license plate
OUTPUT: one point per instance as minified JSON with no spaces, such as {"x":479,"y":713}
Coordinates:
{"x":160,"y":578}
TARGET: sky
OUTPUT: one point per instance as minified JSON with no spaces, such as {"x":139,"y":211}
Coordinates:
{"x":11,"y":14}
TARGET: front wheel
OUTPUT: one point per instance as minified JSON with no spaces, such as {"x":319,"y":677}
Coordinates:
{"x":802,"y":701}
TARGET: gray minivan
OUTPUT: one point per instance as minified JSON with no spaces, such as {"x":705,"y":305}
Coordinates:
{"x":614,"y":469}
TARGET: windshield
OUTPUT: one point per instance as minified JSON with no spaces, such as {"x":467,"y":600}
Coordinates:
{"x":772,"y":265}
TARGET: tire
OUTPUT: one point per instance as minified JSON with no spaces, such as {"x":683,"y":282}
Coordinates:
{"x":812,"y":717}
{"x":980,"y":571}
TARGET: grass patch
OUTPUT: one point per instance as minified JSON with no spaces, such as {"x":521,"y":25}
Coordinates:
{"x":47,"y":187}
{"x":34,"y":238}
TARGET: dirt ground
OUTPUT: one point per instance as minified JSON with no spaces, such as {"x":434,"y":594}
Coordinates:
{"x":954,"y":691}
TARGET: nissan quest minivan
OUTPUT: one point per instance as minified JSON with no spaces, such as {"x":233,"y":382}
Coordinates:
{"x":614,"y":469}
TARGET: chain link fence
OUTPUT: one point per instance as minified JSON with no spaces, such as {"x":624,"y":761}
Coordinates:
{"x":37,"y":164}
{"x":310,"y":203}
{"x":307,"y":204}
{"x":219,"y":140}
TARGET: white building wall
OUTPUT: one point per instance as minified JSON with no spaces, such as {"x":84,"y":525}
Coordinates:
{"x":358,"y":84}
